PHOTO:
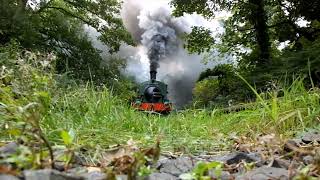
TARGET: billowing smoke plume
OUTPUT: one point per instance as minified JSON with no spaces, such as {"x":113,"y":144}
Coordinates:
{"x":160,"y":49}
{"x":157,"y":51}
{"x":158,"y":37}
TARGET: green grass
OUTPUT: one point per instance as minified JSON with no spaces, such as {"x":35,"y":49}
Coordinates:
{"x":101,"y":119}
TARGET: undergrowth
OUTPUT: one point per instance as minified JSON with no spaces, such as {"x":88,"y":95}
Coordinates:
{"x":32,"y":101}
{"x":99,"y":118}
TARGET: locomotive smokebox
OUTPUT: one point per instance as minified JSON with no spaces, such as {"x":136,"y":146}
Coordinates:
{"x":153,"y":75}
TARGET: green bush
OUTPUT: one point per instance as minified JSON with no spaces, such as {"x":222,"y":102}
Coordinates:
{"x":26,"y":87}
{"x":305,"y":62}
{"x":31,"y":93}
{"x":26,"y":83}
{"x":205,"y":92}
{"x":221,"y":86}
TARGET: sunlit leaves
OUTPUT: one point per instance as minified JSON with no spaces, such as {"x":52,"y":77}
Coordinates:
{"x":68,"y":137}
{"x":199,"y":40}
{"x":103,"y":15}
{"x":206,"y":8}
{"x":61,"y":26}
{"x":205,"y":91}
{"x":189,"y":6}
{"x":201,"y":171}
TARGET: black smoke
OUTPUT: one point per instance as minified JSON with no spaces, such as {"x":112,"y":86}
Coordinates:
{"x":158,"y":35}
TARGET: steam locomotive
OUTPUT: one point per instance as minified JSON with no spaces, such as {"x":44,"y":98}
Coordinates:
{"x":152,"y":96}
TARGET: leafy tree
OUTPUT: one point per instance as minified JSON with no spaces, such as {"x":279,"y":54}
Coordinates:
{"x":58,"y":25}
{"x":251,"y":12}
{"x":199,"y":35}
{"x":103,"y":15}
{"x":220,"y":85}
{"x":305,"y":62}
{"x":205,"y":92}
{"x":253,"y":33}
{"x":258,"y":24}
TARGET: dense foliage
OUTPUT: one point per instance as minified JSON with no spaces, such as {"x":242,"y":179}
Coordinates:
{"x":254,"y":32}
{"x":221,"y":86}
{"x":59,"y":26}
{"x":30,"y":90}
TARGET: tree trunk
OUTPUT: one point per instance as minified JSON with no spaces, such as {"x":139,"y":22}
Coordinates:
{"x":22,"y":5}
{"x":259,"y":20}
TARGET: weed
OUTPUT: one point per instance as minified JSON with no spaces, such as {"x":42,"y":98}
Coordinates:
{"x":99,"y":117}
{"x":201,"y":171}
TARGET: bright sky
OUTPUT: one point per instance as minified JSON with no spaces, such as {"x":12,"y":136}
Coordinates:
{"x":193,"y":20}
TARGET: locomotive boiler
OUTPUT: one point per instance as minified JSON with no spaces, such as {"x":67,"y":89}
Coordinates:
{"x":153,"y":96}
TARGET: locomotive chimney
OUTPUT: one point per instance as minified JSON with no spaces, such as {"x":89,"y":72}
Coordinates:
{"x":153,"y":75}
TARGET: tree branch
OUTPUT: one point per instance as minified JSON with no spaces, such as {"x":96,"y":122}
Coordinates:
{"x":76,"y":5}
{"x":107,"y":17}
{"x":269,"y":27}
{"x":22,"y":4}
{"x":69,"y":14}
{"x":44,"y":7}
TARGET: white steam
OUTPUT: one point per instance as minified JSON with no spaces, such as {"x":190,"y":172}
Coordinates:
{"x":176,"y":67}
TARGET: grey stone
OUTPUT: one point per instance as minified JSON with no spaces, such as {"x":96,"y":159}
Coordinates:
{"x":83,"y":172}
{"x":225,"y":175}
{"x":265,"y":173}
{"x":161,"y":176}
{"x":77,"y":171}
{"x":8,"y":177}
{"x":291,"y":144}
{"x":59,"y":166}
{"x":281,"y":163}
{"x":49,"y":174}
{"x":237,"y":157}
{"x":308,"y":160}
{"x":95,"y":176}
{"x":79,"y":159}
{"x":257,"y":158}
{"x":311,"y":137}
{"x":59,"y":154}
{"x":121,"y":177}
{"x":8,"y":149}
{"x":202,"y":158}
{"x":161,"y":161}
{"x":177,"y":166}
